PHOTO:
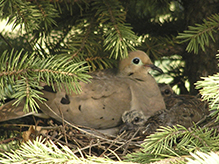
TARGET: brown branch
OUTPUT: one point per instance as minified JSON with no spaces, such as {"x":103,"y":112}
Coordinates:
{"x":84,"y":41}
{"x":15,"y":72}
{"x":6,"y":41}
{"x":41,"y":9}
{"x":112,"y":18}
{"x":56,"y":72}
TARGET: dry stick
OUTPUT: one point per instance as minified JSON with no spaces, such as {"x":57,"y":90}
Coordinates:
{"x":112,"y":143}
{"x":74,"y":126}
{"x":63,"y":124}
{"x":90,"y":147}
{"x":9,"y":140}
{"x":128,"y":142}
{"x":77,"y":143}
{"x":20,"y":125}
{"x":36,"y":124}
{"x":6,"y":41}
{"x":84,"y":131}
{"x":87,"y":147}
{"x":69,"y":145}
{"x":116,"y":155}
{"x":124,"y":144}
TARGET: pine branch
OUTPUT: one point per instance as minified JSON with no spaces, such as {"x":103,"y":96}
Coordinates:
{"x":120,"y":38}
{"x":199,"y":35}
{"x":158,"y":46}
{"x":209,"y":91}
{"x":25,"y":72}
{"x":175,"y":142}
{"x":84,"y":39}
{"x":33,"y":15}
{"x":42,"y":151}
{"x":86,"y":43}
{"x":203,"y":158}
{"x":6,"y":41}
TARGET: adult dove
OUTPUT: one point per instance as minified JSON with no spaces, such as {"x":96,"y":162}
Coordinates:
{"x":110,"y":93}
{"x":102,"y":102}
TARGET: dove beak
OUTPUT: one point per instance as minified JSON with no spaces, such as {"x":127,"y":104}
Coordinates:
{"x":154,"y":67}
{"x":126,"y":127}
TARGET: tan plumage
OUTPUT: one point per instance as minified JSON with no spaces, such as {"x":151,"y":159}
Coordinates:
{"x":187,"y":110}
{"x":181,"y":109}
{"x":110,"y":93}
{"x":166,"y":90}
{"x":9,"y":112}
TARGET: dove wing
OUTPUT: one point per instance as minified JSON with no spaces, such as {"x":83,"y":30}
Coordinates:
{"x":100,"y":104}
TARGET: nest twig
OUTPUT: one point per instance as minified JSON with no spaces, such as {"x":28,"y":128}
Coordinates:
{"x":76,"y":138}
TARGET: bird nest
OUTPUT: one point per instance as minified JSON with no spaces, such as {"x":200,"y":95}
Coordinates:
{"x":75,"y":137}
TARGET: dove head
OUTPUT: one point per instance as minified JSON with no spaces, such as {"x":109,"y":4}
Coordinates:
{"x":134,"y":117}
{"x":166,"y":90}
{"x":132,"y":120}
{"x":137,"y":63}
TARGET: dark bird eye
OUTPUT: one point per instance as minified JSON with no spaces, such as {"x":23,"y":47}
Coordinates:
{"x":136,"y":119}
{"x":167,"y":91}
{"x":136,"y":60}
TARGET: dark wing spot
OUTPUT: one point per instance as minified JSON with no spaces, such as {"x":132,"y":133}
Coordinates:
{"x":113,"y":119}
{"x":65,"y":100}
{"x":46,"y":98}
{"x":103,"y":106}
{"x":79,"y":107}
{"x":139,"y":79}
{"x":130,"y":74}
{"x":67,"y":110}
{"x":101,"y":117}
{"x":49,"y":89}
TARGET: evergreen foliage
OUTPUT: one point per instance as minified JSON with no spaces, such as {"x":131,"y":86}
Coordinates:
{"x":175,"y":142}
{"x":199,"y":35}
{"x":24,"y":72}
{"x":203,"y":158}
{"x":57,"y":52}
{"x":60,"y":41}
{"x":209,"y":91}
{"x":42,"y":151}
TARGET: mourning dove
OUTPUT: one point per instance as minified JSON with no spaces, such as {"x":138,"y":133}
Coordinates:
{"x":184,"y":110}
{"x":10,"y":112}
{"x":132,"y":121}
{"x":110,"y":93}
{"x":166,"y":90}
{"x":102,"y":102}
{"x":188,"y":110}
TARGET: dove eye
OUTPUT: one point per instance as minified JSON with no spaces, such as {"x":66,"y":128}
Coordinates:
{"x":136,"y":60}
{"x":136,"y":119}
{"x":167,"y":91}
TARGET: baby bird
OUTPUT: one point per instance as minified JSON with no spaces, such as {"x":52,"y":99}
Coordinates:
{"x":133,"y":120}
{"x":180,"y":109}
{"x":186,"y":111}
{"x":166,"y":90}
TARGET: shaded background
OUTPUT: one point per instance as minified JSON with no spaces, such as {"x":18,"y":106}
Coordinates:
{"x":156,"y":23}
